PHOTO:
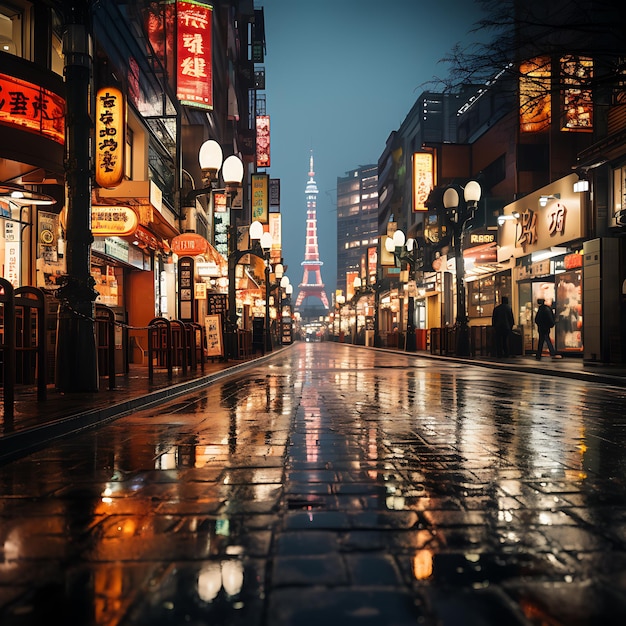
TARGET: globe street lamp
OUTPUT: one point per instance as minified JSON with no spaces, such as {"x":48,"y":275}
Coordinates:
{"x":282,"y":281}
{"x":211,"y":159}
{"x":406,"y":253}
{"x":264,"y":239}
{"x":288,"y":294}
{"x":360,"y":291}
{"x":284,"y":284}
{"x":256,"y":249}
{"x":459,"y":213}
{"x":341,"y":300}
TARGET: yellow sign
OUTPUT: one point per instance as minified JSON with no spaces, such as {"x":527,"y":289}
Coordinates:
{"x":112,"y":221}
{"x":260,"y":198}
{"x":110,"y":121}
{"x":423,"y":179}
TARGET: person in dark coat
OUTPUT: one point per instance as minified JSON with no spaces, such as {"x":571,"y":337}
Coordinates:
{"x":544,"y":319}
{"x":502,"y":321}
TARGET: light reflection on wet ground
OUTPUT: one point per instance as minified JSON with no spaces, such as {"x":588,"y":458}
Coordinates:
{"x":330,"y":484}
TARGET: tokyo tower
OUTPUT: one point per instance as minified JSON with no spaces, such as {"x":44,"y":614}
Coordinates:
{"x":311,"y":284}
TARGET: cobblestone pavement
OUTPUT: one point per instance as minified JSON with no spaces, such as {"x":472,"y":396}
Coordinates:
{"x":330,"y":484}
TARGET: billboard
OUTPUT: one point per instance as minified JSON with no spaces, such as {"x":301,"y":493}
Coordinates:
{"x":260,"y":198}
{"x":423,"y":179}
{"x":263,"y":141}
{"x":194,"y":72}
{"x":110,"y":142}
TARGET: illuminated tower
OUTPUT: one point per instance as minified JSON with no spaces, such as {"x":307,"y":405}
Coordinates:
{"x":311,"y":284}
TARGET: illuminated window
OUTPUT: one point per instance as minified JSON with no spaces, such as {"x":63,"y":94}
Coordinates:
{"x":577,"y":101}
{"x":128,"y":160}
{"x":534,"y":95}
{"x":619,"y":196}
{"x":10,"y":33}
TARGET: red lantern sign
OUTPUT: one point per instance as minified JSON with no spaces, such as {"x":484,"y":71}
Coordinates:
{"x":189,"y":244}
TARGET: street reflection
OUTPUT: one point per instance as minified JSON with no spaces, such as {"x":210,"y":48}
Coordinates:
{"x":463,"y":476}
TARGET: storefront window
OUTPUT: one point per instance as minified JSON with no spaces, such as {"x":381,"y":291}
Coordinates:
{"x":481,"y":297}
{"x":619,"y":196}
{"x":484,"y":293}
{"x":569,"y":309}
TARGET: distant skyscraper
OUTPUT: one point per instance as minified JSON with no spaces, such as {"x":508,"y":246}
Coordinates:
{"x":311,"y":285}
{"x":357,"y":226}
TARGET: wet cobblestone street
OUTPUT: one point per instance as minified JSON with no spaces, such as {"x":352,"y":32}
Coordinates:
{"x":330,"y":484}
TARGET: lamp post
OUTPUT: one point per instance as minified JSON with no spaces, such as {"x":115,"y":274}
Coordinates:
{"x":256,"y":249}
{"x":341,"y":300}
{"x":360,"y":291}
{"x":406,"y":253}
{"x":288,"y":294}
{"x":459,"y":214}
{"x":211,"y":159}
{"x":264,"y":239}
{"x":283,"y":284}
{"x":278,"y":275}
{"x":76,"y":350}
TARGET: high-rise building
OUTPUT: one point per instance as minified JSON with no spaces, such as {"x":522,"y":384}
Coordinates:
{"x":357,"y":226}
{"x":311,"y":286}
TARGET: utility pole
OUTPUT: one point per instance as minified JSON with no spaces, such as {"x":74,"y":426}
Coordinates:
{"x":76,"y":357}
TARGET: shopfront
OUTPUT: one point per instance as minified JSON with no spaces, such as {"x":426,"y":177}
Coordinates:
{"x":543,"y":234}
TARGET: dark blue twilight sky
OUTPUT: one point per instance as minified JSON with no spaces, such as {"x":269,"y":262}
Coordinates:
{"x":341,"y":75}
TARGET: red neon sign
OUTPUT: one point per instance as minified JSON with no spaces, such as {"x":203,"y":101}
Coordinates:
{"x":33,"y":108}
{"x":194,"y":75}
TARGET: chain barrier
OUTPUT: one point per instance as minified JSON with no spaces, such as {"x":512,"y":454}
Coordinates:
{"x":115,"y":322}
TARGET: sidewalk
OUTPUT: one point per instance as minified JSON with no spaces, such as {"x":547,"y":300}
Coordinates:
{"x":36,"y":423}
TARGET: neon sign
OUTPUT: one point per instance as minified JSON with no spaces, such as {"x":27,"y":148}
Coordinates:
{"x":194,"y":73}
{"x":32,"y":108}
{"x":110,"y":120}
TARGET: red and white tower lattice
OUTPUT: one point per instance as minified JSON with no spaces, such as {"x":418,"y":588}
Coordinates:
{"x":311,"y":284}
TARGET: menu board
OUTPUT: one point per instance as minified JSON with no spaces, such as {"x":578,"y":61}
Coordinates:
{"x":213,"y":328}
{"x":217,"y":304}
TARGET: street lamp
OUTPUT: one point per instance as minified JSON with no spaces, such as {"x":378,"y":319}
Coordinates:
{"x":288,"y":294}
{"x":256,"y":234}
{"x":360,"y":290}
{"x":211,"y":159}
{"x":341,"y":300}
{"x":459,"y":214}
{"x":406,"y":253}
{"x":281,"y":283}
{"x":284,"y":283}
{"x":264,"y":239}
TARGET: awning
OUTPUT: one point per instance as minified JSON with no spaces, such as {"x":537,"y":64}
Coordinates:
{"x":146,"y":198}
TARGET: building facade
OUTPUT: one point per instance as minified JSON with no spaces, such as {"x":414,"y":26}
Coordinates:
{"x":144,"y":111}
{"x":357,"y":227}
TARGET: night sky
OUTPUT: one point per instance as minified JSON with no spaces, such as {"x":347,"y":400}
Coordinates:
{"x":341,"y":75}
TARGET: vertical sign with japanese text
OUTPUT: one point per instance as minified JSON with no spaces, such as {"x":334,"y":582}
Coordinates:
{"x":12,"y":254}
{"x":263,"y":141}
{"x":110,"y":143}
{"x":194,"y":72}
{"x":260,"y":198}
{"x":423,"y":179}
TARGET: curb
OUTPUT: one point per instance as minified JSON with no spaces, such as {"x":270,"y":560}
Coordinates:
{"x":27,"y":440}
{"x":592,"y":377}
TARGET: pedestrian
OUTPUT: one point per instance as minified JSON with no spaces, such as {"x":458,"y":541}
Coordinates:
{"x":502,"y":321}
{"x":544,"y":319}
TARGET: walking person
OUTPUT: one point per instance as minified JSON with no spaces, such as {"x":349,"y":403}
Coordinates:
{"x":544,"y":319}
{"x":502,"y":321}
